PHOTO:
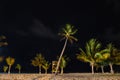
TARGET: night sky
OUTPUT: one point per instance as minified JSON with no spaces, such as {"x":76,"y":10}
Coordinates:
{"x":32,"y":27}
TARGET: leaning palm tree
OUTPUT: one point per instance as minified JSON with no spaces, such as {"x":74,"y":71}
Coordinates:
{"x":10,"y":61}
{"x":18,"y":66}
{"x":91,"y":50}
{"x":46,"y":66}
{"x":67,"y":34}
{"x":63,"y":63}
{"x":38,"y":61}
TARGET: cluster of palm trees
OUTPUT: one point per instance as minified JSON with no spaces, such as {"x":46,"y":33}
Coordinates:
{"x":94,"y":53}
{"x":9,"y":60}
{"x":40,"y":62}
{"x":98,"y":56}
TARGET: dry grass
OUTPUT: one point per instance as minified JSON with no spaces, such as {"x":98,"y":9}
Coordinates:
{"x":68,"y":76}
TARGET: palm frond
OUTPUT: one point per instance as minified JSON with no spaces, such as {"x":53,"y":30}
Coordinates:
{"x":74,"y":32}
{"x":98,"y":55}
{"x":88,"y":51}
{"x":67,"y":32}
{"x":83,"y":58}
{"x":72,"y":38}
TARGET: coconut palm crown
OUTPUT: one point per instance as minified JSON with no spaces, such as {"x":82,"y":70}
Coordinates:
{"x":67,"y":33}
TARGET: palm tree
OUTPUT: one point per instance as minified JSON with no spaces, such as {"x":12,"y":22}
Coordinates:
{"x":38,"y":61}
{"x":5,"y":68}
{"x":114,"y":56}
{"x":18,"y":66}
{"x":91,"y":50}
{"x":102,"y":58}
{"x":10,"y":61}
{"x":46,"y":66}
{"x":101,"y":65}
{"x":63,"y":63}
{"x":111,"y":47}
{"x":117,"y":57}
{"x":67,"y":34}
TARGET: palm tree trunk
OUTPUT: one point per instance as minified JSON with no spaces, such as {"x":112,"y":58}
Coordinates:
{"x":19,"y":70}
{"x":45,"y":71}
{"x":58,"y":63}
{"x":102,"y":68}
{"x":92,"y":67}
{"x":39,"y":69}
{"x":111,"y":68}
{"x":62,"y":70}
{"x":9,"y":69}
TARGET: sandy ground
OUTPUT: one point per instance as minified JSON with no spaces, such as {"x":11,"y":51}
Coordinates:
{"x":68,"y":76}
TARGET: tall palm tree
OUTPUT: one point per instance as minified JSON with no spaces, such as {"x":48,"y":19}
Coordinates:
{"x":18,"y":66}
{"x":46,"y":66}
{"x":63,"y":63}
{"x":38,"y":61}
{"x":10,"y":61}
{"x":67,"y":34}
{"x":91,"y":50}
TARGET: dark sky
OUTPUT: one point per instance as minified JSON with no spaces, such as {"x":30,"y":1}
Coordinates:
{"x":31,"y":27}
